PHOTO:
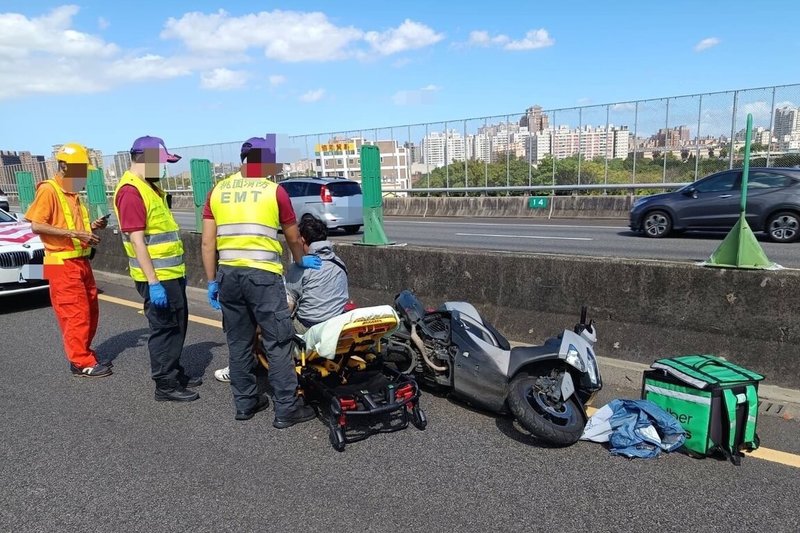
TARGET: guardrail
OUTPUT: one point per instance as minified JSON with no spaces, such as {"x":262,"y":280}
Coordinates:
{"x":534,"y":188}
{"x":519,"y":188}
{"x":484,"y":190}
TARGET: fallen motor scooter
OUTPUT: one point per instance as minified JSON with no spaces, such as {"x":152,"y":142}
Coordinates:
{"x":454,"y":349}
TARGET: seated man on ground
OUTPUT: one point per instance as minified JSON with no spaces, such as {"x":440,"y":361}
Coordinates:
{"x":314,"y":295}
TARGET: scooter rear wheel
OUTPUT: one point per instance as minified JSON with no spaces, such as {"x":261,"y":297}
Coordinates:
{"x":558,"y":425}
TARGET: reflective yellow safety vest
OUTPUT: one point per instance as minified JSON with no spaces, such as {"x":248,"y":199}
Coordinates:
{"x":80,"y":249}
{"x":161,"y":233}
{"x":246,"y":213}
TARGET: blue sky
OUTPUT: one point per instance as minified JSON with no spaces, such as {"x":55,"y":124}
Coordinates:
{"x":103,"y":73}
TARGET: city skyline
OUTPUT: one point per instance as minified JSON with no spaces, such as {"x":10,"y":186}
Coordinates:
{"x":532,"y":136}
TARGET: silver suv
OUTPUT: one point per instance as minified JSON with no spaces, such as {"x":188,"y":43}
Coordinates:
{"x":336,"y":201}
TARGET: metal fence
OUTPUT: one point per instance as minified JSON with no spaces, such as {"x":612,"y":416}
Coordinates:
{"x":668,"y":140}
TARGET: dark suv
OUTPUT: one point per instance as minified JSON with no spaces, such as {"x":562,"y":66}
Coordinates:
{"x":713,"y":204}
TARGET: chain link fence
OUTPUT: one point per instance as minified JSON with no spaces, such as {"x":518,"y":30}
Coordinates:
{"x":669,"y":140}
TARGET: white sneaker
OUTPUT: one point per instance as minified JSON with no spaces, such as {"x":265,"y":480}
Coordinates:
{"x":223,"y":374}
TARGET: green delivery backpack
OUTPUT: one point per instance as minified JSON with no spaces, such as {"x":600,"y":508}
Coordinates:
{"x":715,"y":401}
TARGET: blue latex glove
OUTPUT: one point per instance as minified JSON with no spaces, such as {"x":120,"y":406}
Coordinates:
{"x":213,"y":295}
{"x":311,"y":261}
{"x":158,"y":296}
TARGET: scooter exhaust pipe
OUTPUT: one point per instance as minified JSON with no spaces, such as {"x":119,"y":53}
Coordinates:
{"x":421,"y":347}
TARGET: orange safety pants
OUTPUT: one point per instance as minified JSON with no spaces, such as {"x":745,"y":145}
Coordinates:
{"x":73,"y":293}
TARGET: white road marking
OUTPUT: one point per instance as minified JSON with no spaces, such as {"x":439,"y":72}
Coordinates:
{"x":524,"y":236}
{"x":390,"y":221}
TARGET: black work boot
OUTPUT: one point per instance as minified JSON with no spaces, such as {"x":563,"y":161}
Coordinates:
{"x":176,"y":394}
{"x":263,"y":403}
{"x":301,"y":413}
{"x":190,"y":383}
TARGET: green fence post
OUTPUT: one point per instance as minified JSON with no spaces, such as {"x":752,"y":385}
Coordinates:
{"x":202,"y":183}
{"x":26,"y":189}
{"x":374,"y":234}
{"x":96,"y":194}
{"x":740,"y":248}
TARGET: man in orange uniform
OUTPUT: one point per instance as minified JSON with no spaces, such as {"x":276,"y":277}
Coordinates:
{"x":62,"y":223}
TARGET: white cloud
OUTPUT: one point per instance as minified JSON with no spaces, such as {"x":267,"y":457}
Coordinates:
{"x":482,"y":38}
{"x":409,"y":35}
{"x":301,"y":36}
{"x":147,"y":67}
{"x":705,"y":44}
{"x":223,"y":79}
{"x":277,"y":79}
{"x":626,"y":106}
{"x":425,"y":95}
{"x":22,"y":37}
{"x":533,"y":39}
{"x":283,"y":35}
{"x":313,"y":96}
{"x":47,"y":54}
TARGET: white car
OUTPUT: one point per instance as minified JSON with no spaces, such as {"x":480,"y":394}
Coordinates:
{"x":19,"y":247}
{"x":3,"y":200}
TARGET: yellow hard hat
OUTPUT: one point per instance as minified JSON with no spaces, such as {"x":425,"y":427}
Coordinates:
{"x":74,"y":153}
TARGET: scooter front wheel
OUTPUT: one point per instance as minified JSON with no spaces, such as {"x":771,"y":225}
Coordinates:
{"x":560,"y":424}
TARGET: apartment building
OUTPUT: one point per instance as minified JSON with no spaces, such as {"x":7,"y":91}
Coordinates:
{"x":534,"y":120}
{"x":13,"y":161}
{"x":442,"y":148}
{"x":341,"y":158}
{"x":590,"y":142}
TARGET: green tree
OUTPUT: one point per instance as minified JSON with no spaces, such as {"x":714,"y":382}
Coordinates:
{"x":754,"y":147}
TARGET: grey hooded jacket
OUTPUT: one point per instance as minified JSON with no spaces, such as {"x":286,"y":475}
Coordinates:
{"x":319,"y":294}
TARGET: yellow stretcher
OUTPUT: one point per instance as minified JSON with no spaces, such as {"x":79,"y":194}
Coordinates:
{"x":340,"y":371}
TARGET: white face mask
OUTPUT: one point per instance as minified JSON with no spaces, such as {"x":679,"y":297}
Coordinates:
{"x":74,"y":185}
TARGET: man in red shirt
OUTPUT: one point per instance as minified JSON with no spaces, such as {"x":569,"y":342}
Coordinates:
{"x":240,"y":223}
{"x":164,"y":293}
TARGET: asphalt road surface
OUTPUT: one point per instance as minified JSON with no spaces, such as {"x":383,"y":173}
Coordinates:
{"x":596,"y":238}
{"x":84,"y":455}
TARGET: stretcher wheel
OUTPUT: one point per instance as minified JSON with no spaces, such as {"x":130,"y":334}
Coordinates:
{"x":337,"y":438}
{"x":418,"y":418}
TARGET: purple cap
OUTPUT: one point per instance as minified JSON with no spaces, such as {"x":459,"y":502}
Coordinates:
{"x":262,"y":143}
{"x":142,"y":143}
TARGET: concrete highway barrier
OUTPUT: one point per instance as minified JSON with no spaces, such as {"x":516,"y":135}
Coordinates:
{"x":617,"y":206}
{"x":644,"y":309}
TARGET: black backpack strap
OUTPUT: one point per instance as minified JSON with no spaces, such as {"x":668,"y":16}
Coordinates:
{"x":339,"y":264}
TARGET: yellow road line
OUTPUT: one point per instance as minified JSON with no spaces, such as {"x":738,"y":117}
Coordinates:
{"x":767,"y":454}
{"x":138,"y":305}
{"x":776,"y":456}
